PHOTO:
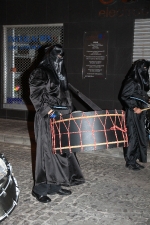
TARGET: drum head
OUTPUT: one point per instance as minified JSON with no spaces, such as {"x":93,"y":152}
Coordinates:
{"x":3,"y":169}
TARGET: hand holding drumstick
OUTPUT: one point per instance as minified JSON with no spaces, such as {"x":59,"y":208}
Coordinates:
{"x":138,"y":110}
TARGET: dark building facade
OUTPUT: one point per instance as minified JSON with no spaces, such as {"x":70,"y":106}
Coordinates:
{"x":116,"y":17}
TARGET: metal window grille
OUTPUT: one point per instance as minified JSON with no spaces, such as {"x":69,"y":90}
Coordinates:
{"x":141,"y":46}
{"x":20,"y":50}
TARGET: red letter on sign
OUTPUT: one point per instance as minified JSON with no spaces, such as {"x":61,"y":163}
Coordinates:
{"x":106,"y":2}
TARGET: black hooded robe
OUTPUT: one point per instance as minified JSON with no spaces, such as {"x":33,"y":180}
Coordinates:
{"x":135,"y":123}
{"x":133,"y":90}
{"x":59,"y":169}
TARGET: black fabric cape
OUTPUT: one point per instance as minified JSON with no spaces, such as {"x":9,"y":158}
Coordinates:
{"x":45,"y":92}
{"x":135,"y":123}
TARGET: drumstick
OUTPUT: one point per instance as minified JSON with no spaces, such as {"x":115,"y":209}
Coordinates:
{"x":145,"y":109}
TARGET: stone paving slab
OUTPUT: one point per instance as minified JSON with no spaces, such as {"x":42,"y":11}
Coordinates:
{"x":17,"y":126}
{"x":16,"y":132}
{"x":111,"y":195}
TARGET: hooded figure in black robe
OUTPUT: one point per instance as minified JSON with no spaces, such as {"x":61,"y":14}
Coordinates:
{"x":49,"y":87}
{"x":134,"y":98}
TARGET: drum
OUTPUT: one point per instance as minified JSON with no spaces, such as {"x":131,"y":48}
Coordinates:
{"x":86,"y":131}
{"x":9,"y":191}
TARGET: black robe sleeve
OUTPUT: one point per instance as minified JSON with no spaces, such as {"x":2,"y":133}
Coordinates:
{"x":127,"y":92}
{"x":37,"y":83}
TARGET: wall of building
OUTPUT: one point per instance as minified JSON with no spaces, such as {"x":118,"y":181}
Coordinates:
{"x":115,"y":16}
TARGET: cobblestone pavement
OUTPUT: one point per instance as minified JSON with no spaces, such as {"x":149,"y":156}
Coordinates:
{"x":112,"y":194}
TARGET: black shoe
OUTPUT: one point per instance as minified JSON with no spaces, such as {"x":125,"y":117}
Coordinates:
{"x":139,"y":165}
{"x":41,"y":198}
{"x":61,"y":192}
{"x":132,"y":167}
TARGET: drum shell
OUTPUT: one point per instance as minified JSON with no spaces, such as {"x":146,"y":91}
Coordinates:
{"x":87,"y":131}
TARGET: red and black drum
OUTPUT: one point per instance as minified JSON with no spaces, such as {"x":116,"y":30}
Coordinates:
{"x":86,"y":131}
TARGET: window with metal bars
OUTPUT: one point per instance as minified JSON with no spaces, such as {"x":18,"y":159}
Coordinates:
{"x":20,"y":49}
